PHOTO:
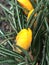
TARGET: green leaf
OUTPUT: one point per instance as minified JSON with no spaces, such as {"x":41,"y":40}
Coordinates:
{"x":25,"y":52}
{"x":48,"y":50}
{"x":6,"y":9}
{"x":10,"y":53}
{"x":19,"y":22}
{"x":7,"y":61}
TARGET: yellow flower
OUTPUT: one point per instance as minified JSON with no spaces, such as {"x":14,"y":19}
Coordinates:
{"x":24,"y":39}
{"x":29,"y":14}
{"x":26,"y":4}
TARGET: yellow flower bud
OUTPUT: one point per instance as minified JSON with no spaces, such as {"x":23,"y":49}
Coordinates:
{"x":26,"y":4}
{"x":29,"y":14}
{"x":24,"y":39}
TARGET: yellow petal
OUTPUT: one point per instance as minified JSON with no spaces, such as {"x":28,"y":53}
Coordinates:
{"x":29,"y":14}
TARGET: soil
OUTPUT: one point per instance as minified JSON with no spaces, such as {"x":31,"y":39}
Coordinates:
{"x":4,"y":25}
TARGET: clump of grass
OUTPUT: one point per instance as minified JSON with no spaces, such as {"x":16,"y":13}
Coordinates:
{"x":17,"y":20}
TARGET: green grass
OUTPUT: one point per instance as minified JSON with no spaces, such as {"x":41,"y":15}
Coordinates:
{"x":17,"y":21}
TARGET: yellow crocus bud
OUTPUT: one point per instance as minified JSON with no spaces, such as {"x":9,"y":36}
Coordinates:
{"x":24,"y":39}
{"x":26,"y":4}
{"x":29,"y":14}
